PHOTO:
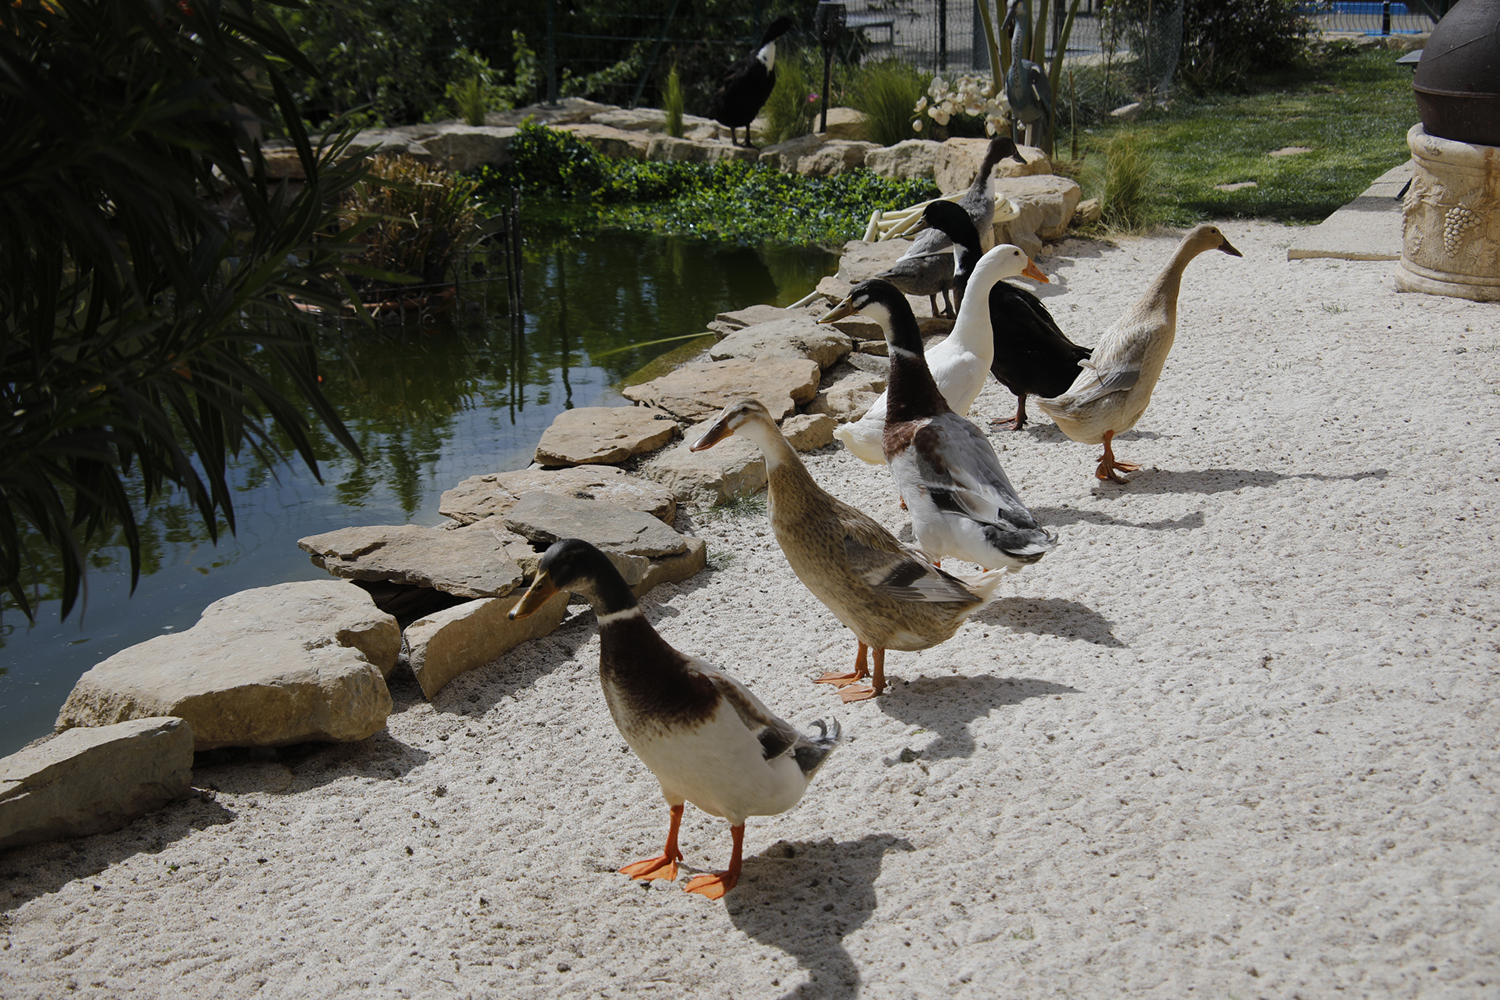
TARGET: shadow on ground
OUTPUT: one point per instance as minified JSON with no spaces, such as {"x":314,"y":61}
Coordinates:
{"x":1050,"y":616}
{"x":805,"y":898}
{"x":946,"y":705}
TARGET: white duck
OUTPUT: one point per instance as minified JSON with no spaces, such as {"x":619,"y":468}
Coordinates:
{"x":961,"y":502}
{"x":708,"y":740}
{"x":1113,"y":389}
{"x":960,"y":363}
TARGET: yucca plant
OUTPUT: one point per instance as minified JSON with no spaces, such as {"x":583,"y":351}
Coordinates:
{"x":672,"y":103}
{"x":142,"y":333}
{"x":413,"y":220}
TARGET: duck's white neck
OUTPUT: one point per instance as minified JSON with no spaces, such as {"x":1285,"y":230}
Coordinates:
{"x":768,"y":439}
{"x":767,"y":56}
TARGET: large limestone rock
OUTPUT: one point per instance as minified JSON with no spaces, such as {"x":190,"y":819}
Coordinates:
{"x":727,"y":322}
{"x":93,"y":780}
{"x":795,"y":336}
{"x":700,"y":389}
{"x":604,"y":435}
{"x":568,"y":111}
{"x":957,"y":164}
{"x":700,"y":147}
{"x":465,"y":563}
{"x":645,"y":551}
{"x":808,"y":431}
{"x":906,"y":160}
{"x":264,"y":667}
{"x":847,"y":393}
{"x":816,"y":155}
{"x":612,"y":142}
{"x":454,"y":641}
{"x":846,"y":123}
{"x":462,"y":148}
{"x":733,"y":467}
{"x":1046,"y":203}
{"x":494,"y":493}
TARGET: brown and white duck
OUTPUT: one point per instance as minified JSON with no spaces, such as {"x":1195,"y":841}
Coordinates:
{"x":961,"y":502}
{"x":708,"y":740}
{"x":1112,"y":391}
{"x":889,"y":596}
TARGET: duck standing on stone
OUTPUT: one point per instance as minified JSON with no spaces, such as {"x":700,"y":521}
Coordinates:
{"x":887,"y":595}
{"x":746,"y":84}
{"x":1112,"y":391}
{"x":962,"y":504}
{"x":925,"y":269}
{"x":708,"y":740}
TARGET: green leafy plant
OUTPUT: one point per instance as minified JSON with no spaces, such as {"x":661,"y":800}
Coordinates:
{"x":885,"y":93}
{"x":1127,"y":199}
{"x":672,"y":103}
{"x":145,"y":337}
{"x":793,"y":107}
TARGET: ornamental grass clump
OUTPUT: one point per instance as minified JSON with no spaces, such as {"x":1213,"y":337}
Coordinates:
{"x":885,"y":92}
{"x":421,"y":220}
{"x":793,"y":107}
{"x":672,"y":103}
{"x":1127,"y":202}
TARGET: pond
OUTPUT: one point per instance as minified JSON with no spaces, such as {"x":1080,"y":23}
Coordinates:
{"x":429,"y":408}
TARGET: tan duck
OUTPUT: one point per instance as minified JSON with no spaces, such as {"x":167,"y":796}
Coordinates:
{"x":1113,"y":389}
{"x":889,"y":596}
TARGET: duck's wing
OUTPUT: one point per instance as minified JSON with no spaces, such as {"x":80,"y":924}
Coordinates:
{"x":959,"y":467}
{"x":891,"y":570}
{"x":1096,"y":381}
{"x":775,"y":734}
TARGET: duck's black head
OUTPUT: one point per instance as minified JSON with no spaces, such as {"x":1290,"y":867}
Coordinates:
{"x":777,"y":28}
{"x":954,"y":222}
{"x":1000,"y":147}
{"x":883,"y":302}
{"x":575,"y":566}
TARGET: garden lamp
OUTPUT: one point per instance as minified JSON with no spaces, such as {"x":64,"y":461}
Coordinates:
{"x":829,"y":24}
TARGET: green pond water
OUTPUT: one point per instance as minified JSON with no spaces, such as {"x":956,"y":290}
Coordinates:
{"x":429,"y":408}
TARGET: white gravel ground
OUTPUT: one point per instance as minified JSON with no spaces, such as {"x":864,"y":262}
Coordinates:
{"x":1235,"y":737}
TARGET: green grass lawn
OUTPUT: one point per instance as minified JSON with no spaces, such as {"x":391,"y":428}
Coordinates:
{"x":1351,"y":109}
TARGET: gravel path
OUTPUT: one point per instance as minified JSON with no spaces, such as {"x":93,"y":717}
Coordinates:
{"x":1235,"y":737}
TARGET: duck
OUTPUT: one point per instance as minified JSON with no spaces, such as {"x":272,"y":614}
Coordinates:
{"x":887,"y":594}
{"x":1113,"y":388}
{"x":959,"y":363}
{"x":704,"y":735}
{"x":925,"y":269}
{"x":961,"y":502}
{"x":1027,"y":89}
{"x":745,"y":85}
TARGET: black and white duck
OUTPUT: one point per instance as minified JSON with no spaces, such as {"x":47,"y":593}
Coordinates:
{"x":961,"y":502}
{"x":708,"y":740}
{"x":926,"y":269}
{"x":745,"y":86}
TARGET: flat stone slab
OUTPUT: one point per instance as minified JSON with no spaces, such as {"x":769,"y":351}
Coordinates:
{"x":462,"y":148}
{"x":908,"y":159}
{"x":733,"y":467}
{"x":465,"y":564}
{"x":796,"y":335}
{"x":612,"y":142}
{"x":604,"y":435}
{"x":1045,"y":203}
{"x":444,"y":645}
{"x":1368,"y":228}
{"x":846,"y":394}
{"x":808,"y":431}
{"x":93,"y":780}
{"x":816,"y":155}
{"x":494,"y":493}
{"x":957,"y":163}
{"x":645,"y":551}
{"x":264,"y":667}
{"x":700,"y":389}
{"x":728,"y":322}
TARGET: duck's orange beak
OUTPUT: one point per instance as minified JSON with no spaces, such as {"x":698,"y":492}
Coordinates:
{"x":1035,"y":273}
{"x":539,"y":593}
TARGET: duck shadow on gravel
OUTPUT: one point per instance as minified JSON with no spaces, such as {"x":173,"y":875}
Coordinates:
{"x":946,"y":706}
{"x":1209,"y":481}
{"x":805,"y":898}
{"x":1049,"y":616}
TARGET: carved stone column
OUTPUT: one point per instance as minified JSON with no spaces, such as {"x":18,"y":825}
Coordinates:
{"x":1451,"y":219}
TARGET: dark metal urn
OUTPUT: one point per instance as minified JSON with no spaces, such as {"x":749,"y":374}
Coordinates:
{"x":1457,"y":83}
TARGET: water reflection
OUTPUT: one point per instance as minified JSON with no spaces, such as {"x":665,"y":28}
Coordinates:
{"x":428,"y":407}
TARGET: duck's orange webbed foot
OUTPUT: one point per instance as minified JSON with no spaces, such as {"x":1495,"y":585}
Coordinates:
{"x":877,"y":685}
{"x":715,"y":886}
{"x":859,"y":673}
{"x":663,"y":865}
{"x":850,"y":694}
{"x":1109,"y":465}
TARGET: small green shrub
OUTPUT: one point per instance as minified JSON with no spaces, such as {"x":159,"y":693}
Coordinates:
{"x":672,"y":103}
{"x":469,"y":99}
{"x":424,"y":219}
{"x":886,"y":92}
{"x":1223,"y":40}
{"x":1127,"y":199}
{"x":793,"y":107}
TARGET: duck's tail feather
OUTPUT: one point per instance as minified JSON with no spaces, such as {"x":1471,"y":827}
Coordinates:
{"x":811,"y":751}
{"x":1025,"y":545}
{"x":983,"y":584}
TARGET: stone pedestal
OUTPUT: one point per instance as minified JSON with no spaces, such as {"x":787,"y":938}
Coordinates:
{"x":1451,"y":219}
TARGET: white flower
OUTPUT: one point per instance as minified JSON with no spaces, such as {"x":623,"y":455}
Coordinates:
{"x":916,"y":126}
{"x":940,"y":115}
{"x":921,"y":106}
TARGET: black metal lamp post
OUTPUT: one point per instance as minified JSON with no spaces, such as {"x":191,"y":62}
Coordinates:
{"x":829,"y":23}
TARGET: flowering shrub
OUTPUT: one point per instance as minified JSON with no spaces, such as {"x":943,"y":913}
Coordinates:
{"x":967,"y":95}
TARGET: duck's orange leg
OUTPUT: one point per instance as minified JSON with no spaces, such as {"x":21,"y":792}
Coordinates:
{"x":1108,"y":464}
{"x":714,"y":886}
{"x":1014,"y":423}
{"x":858,"y":674}
{"x":877,"y":682}
{"x":664,"y":866}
